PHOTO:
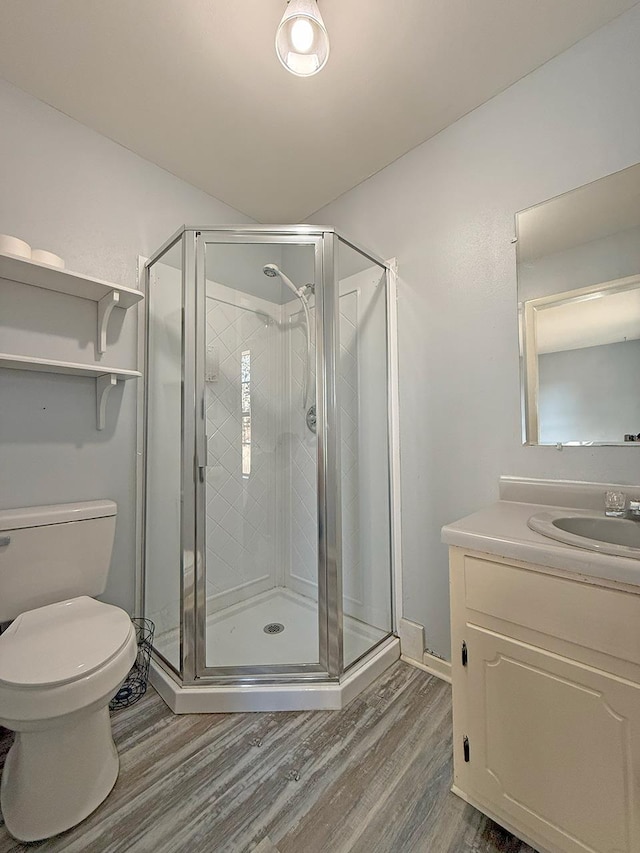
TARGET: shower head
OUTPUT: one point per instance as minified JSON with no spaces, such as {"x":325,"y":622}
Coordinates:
{"x":272,"y":271}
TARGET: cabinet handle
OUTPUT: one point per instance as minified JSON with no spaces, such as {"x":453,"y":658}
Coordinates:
{"x":465,"y":746}
{"x":465,"y":654}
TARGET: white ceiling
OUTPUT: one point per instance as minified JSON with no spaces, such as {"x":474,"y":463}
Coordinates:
{"x":195,"y":86}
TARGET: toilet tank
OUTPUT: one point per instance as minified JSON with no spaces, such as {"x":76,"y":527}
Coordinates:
{"x":50,"y":553}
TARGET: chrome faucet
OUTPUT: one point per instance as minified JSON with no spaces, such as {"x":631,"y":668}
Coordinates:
{"x":634,"y":509}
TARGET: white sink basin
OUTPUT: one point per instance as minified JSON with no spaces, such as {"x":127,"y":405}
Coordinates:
{"x":584,"y":529}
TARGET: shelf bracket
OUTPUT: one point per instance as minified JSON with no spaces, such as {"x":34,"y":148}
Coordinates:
{"x":105,"y":307}
{"x":104,"y":384}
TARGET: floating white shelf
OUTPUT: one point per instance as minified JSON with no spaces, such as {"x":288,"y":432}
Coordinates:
{"x":107,"y":295}
{"x":106,"y":377}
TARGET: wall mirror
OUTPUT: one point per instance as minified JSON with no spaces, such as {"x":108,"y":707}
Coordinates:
{"x":578,"y":259}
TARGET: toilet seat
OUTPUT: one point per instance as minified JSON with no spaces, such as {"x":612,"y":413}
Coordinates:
{"x":46,"y":682}
{"x":61,"y":643}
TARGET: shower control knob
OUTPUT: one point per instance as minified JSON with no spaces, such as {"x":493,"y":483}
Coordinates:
{"x":311,"y":419}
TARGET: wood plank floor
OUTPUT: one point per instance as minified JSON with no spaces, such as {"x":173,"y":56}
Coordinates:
{"x":373,"y":778}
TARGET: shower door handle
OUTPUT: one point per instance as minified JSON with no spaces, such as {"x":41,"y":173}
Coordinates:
{"x":203,"y":460}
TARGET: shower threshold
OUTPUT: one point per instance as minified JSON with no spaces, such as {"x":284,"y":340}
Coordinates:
{"x":309,"y":696}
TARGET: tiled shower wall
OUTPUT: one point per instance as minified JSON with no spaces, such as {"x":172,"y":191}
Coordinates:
{"x":353,"y":570}
{"x":299,"y":482}
{"x":262,"y":529}
{"x":365,"y":511}
{"x":302,"y":479}
{"x":243,"y":343}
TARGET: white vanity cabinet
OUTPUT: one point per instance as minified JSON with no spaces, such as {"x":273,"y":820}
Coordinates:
{"x":546,"y":699}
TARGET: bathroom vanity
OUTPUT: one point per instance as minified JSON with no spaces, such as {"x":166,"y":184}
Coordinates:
{"x":546,"y":683}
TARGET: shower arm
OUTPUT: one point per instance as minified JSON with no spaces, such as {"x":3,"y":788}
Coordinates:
{"x":272,"y":270}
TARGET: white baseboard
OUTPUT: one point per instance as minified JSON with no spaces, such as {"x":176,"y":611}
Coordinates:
{"x":437,"y":666}
{"x":411,"y":638}
{"x":431,"y":664}
{"x":412,"y":645}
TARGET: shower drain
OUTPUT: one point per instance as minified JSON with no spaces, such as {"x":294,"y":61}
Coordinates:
{"x":273,"y":628}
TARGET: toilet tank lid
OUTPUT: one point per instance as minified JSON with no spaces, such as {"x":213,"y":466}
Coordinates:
{"x":39,"y":516}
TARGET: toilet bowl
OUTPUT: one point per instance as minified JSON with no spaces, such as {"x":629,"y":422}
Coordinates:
{"x":60,"y":664}
{"x":59,"y":667}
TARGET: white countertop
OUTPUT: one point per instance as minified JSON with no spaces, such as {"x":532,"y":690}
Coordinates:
{"x":501,"y":529}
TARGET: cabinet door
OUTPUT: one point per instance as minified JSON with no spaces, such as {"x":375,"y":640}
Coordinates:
{"x":554,"y":746}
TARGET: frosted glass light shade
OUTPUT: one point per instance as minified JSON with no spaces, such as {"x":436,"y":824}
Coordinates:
{"x":302,"y":42}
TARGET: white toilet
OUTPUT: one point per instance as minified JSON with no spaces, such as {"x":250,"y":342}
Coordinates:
{"x":61,"y":661}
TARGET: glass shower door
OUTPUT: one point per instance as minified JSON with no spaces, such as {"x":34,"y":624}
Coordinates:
{"x":164,"y":556}
{"x":363,"y":406}
{"x":257,"y":584}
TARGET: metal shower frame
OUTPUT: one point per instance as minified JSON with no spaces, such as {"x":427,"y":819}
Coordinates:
{"x":194,"y":455}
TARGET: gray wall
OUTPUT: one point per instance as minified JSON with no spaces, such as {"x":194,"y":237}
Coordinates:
{"x":70,"y":190}
{"x":590,"y":394}
{"x":445,"y":210}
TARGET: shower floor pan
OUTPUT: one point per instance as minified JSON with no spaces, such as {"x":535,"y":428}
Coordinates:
{"x":236,"y":636}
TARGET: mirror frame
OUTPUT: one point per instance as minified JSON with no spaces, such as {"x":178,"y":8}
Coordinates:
{"x":527,"y":312}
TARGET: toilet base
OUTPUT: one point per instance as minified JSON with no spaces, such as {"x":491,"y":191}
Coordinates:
{"x":55,"y":777}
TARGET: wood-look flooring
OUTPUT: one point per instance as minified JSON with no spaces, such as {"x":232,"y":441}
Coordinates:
{"x":373,"y":778}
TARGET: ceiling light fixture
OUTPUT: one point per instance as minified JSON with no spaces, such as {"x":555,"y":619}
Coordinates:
{"x":302,"y":42}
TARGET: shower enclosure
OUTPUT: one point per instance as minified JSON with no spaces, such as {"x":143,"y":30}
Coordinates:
{"x":268,"y":533}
